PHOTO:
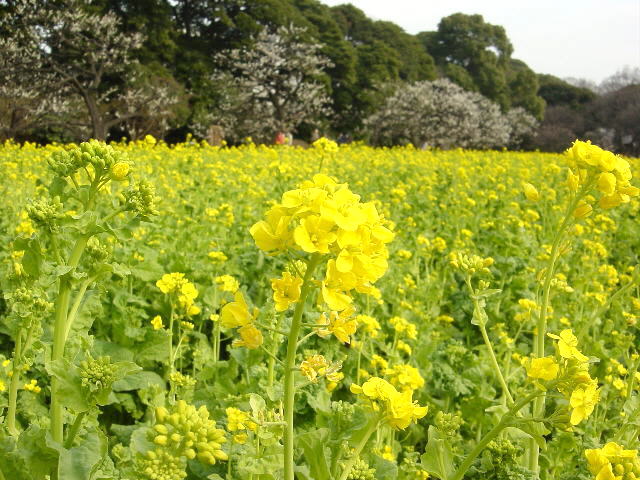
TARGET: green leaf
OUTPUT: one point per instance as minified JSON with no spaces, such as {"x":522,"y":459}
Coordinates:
{"x":69,"y":386}
{"x":60,"y":270}
{"x":32,"y":258}
{"x":138,"y":380}
{"x":257,"y":403}
{"x":385,"y":470}
{"x":83,"y":460}
{"x":437,"y":459}
{"x":317,"y":455}
{"x":31,"y":459}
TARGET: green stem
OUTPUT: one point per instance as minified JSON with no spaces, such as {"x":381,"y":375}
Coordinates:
{"x":289,"y":373}
{"x":373,"y":426}
{"x":13,"y":391}
{"x":76,"y":305}
{"x":59,"y":335}
{"x":541,"y":327}
{"x":73,"y":431}
{"x":504,"y":422}
{"x":171,"y":338}
{"x":487,"y":342}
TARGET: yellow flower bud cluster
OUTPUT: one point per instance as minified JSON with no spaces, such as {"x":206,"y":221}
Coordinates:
{"x":181,"y":380}
{"x":32,"y":386}
{"x":102,"y":157}
{"x":181,"y":433}
{"x":470,"y":263}
{"x":46,"y":213}
{"x":325,"y":217}
{"x":609,"y":173}
{"x":361,"y":471}
{"x":613,"y":462}
{"x":185,"y":291}
{"x":398,"y":409}
{"x":97,"y":373}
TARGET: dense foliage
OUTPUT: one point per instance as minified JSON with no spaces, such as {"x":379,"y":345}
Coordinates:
{"x":241,"y":313}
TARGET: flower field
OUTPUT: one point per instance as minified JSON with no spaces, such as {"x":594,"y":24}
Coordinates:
{"x":335,"y":313}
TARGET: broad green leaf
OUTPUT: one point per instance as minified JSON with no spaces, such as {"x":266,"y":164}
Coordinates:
{"x":82,"y":460}
{"x":138,"y":380}
{"x":437,"y":459}
{"x":68,"y":386}
{"x":316,"y":453}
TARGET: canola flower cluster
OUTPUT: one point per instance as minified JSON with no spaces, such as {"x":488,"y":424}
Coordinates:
{"x":571,"y":370}
{"x":610,"y":174}
{"x":613,"y":462}
{"x":398,"y":409}
{"x":180,"y":433}
{"x":185,"y":292}
{"x":324,"y":217}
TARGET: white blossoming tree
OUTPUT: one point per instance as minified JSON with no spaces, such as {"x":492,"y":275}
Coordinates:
{"x":274,"y":86}
{"x":58,"y":54}
{"x":441,"y":114}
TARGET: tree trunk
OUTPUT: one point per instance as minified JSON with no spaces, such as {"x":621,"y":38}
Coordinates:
{"x":98,"y":126}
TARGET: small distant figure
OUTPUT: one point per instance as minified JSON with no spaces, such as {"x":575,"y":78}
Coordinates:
{"x":315,"y":135}
{"x":281,"y":139}
{"x":344,"y":138}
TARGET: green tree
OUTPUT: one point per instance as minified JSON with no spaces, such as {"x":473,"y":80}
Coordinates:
{"x":481,"y":48}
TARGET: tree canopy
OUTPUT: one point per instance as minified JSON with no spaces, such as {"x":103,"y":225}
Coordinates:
{"x":111,"y":68}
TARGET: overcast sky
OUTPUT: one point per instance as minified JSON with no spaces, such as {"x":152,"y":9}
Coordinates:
{"x":589,"y":39}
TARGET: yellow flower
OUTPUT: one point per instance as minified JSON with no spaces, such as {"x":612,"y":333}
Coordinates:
{"x":251,"y":337}
{"x":612,"y":461}
{"x":607,"y":183}
{"x":217,"y":256}
{"x":32,"y":386}
{"x":369,"y":325}
{"x":171,"y":282}
{"x":544,"y":368}
{"x":235,"y":314}
{"x":375,"y":389}
{"x":405,"y":377}
{"x":120,"y":170}
{"x":402,"y":410}
{"x":286,"y":291}
{"x":240,"y":438}
{"x":313,"y":367}
{"x":314,"y":234}
{"x":583,"y":400}
{"x":227,"y":283}
{"x":582,"y":210}
{"x":339,"y":324}
{"x":567,"y":343}
{"x":236,"y":419}
{"x":156,"y":323}
{"x":530,"y":192}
